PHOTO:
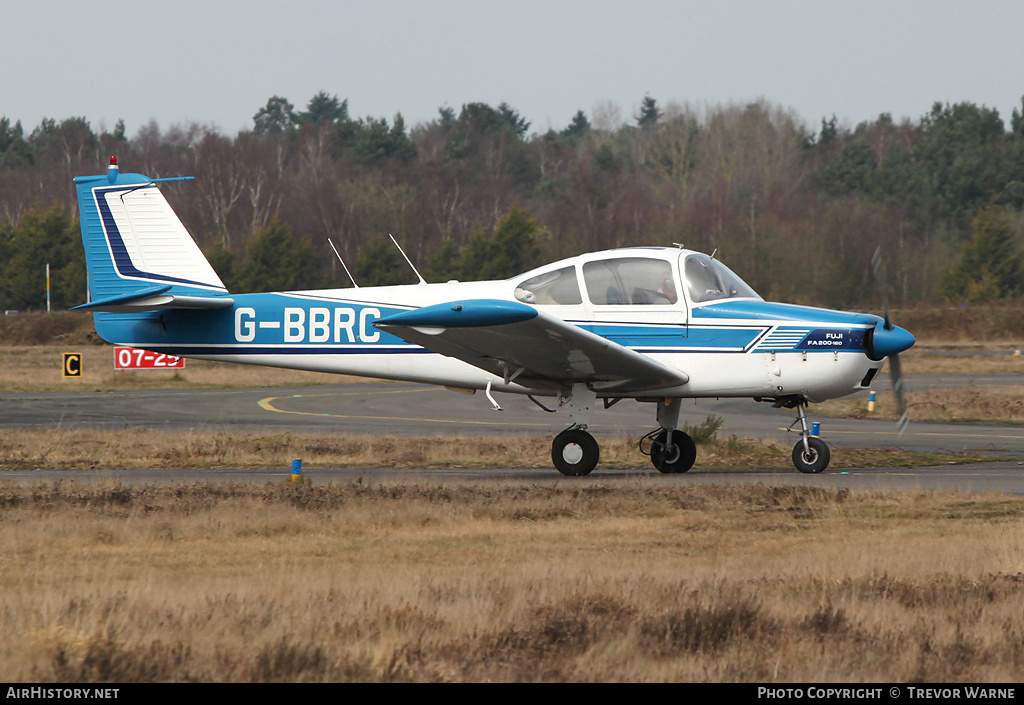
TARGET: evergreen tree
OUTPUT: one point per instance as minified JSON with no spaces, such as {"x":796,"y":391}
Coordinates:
{"x":43,"y":237}
{"x":991,"y":266}
{"x":512,"y":249}
{"x":223,"y":262}
{"x":381,"y":264}
{"x":442,"y":262}
{"x":649,"y":112}
{"x":324,"y":109}
{"x":277,"y":117}
{"x":14,"y":150}
{"x":578,"y":127}
{"x":276,"y":261}
{"x":373,"y":141}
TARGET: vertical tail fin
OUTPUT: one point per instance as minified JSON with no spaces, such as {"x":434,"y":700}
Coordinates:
{"x":136,"y":248}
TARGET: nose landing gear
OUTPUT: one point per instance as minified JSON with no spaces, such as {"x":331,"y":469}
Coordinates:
{"x":810,"y":454}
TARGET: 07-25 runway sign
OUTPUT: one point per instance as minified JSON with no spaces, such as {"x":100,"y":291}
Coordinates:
{"x":138,"y":359}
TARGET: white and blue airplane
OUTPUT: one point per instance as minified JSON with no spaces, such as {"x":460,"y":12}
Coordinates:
{"x":654,"y":324}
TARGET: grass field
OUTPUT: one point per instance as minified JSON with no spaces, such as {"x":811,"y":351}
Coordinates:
{"x":609,"y":580}
{"x":72,"y":449}
{"x":614,"y":581}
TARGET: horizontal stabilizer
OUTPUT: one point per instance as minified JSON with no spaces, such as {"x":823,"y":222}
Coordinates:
{"x":154,"y":299}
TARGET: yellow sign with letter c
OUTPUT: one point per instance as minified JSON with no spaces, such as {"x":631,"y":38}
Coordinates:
{"x":72,"y":365}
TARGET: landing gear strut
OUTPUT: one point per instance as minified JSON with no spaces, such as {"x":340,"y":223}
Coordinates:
{"x":810,"y":454}
{"x":574,"y":451}
{"x":671,"y":450}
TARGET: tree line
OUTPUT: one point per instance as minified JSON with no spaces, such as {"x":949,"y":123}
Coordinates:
{"x":474,"y":193}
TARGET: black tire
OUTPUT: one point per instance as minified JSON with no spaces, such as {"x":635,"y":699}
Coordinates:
{"x":814,"y":462}
{"x":575,"y":452}
{"x":675,"y":455}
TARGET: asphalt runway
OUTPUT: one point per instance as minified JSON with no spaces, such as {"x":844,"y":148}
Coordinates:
{"x":410,"y":409}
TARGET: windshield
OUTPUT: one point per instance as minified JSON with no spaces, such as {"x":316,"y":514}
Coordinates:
{"x":709,"y":280}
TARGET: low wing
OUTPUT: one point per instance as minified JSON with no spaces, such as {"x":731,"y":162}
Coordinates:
{"x":520,"y":343}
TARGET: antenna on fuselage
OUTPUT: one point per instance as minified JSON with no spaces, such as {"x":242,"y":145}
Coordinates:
{"x":422,"y":280}
{"x":338,"y":255}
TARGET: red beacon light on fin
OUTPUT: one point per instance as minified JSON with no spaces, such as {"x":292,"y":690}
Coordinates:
{"x":112,"y":170}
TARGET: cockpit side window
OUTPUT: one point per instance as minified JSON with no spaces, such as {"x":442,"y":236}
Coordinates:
{"x":708,"y":279}
{"x":630,"y":281}
{"x":557,"y":287}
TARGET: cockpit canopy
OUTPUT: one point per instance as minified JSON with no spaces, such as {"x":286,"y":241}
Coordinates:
{"x":634,"y":279}
{"x":708,"y":279}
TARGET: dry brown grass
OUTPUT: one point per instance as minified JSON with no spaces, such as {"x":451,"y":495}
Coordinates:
{"x":994,"y":323}
{"x":1000,"y":362}
{"x":613,"y":581}
{"x":142,"y":448}
{"x":1000,"y":404}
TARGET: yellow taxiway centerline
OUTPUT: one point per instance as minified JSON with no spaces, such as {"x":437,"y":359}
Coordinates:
{"x":267,"y":404}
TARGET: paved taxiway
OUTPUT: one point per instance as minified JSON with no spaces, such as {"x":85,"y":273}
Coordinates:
{"x":408,"y":409}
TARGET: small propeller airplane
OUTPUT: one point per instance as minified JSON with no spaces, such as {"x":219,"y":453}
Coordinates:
{"x":654,"y":324}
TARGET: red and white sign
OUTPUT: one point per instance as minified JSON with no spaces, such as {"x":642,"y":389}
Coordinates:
{"x":137,"y":359}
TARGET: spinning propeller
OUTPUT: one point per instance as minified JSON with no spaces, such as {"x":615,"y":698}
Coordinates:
{"x":888,"y":340}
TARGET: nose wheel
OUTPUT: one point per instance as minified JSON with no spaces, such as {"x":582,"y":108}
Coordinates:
{"x":813,"y":458}
{"x":810,"y":454}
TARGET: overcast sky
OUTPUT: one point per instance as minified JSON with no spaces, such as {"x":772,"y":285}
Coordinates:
{"x":218,"y":61}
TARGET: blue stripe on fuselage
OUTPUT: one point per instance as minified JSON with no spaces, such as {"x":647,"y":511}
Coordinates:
{"x":255,"y":321}
{"x":273,"y":323}
{"x":679,"y":337}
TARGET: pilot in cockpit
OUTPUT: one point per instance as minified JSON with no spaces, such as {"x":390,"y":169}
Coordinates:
{"x":668,"y":286}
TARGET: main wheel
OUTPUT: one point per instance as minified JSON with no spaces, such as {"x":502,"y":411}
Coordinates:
{"x":675,"y":453}
{"x":575,"y":452}
{"x":816,"y":460}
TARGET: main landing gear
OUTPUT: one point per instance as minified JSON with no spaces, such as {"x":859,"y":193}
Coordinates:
{"x":671,"y":450}
{"x":575,"y":452}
